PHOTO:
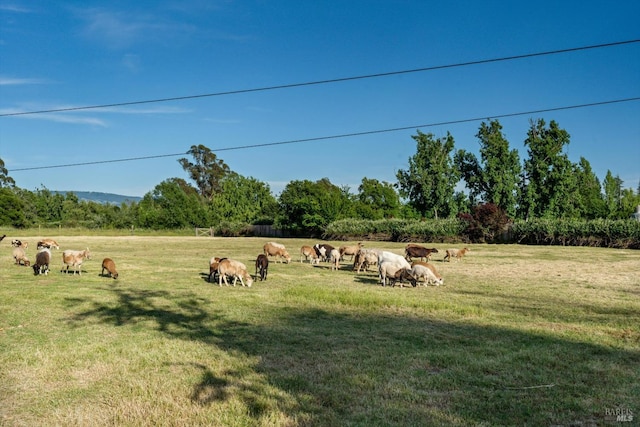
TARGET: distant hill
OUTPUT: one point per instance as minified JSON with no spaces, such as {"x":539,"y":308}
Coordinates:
{"x":104,"y":198}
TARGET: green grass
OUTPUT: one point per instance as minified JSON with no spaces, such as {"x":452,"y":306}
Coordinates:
{"x":519,"y":335}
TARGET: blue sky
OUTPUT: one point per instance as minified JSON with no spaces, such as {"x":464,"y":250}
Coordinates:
{"x":68,"y":54}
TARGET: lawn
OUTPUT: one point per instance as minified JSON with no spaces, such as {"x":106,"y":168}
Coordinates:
{"x":518,"y":335}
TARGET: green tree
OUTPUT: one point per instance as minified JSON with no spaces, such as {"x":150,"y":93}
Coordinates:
{"x":612,"y":194}
{"x":377,"y":200}
{"x":206,"y":171}
{"x":589,"y":196}
{"x":307,"y":207}
{"x":628,"y":203}
{"x":243,"y":199}
{"x":429,"y":183}
{"x":172,"y":204}
{"x":5,"y":179}
{"x":494,"y":179}
{"x":11,"y":209}
{"x":49,"y":206}
{"x":549,"y":182}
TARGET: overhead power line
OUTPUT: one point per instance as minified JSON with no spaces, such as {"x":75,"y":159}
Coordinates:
{"x":320,"y":82}
{"x":344,"y":135}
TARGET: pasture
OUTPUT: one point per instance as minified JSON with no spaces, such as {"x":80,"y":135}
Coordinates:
{"x":518,"y":335}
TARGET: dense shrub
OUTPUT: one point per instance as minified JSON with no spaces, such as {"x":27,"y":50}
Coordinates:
{"x":395,"y":229}
{"x":576,"y":232}
{"x":233,"y":229}
{"x":485,"y":224}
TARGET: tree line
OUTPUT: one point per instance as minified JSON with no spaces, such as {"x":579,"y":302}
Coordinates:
{"x":543,"y":185}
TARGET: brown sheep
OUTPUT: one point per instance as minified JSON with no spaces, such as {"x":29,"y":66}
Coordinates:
{"x":458,"y":254}
{"x":110,"y":266}
{"x":350,"y":250}
{"x":276,"y":250}
{"x":43,"y":259}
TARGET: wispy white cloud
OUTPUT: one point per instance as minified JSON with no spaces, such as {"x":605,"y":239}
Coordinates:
{"x":14,"y":8}
{"x":89,"y":116}
{"x":57,"y":117}
{"x":119,"y":29}
{"x":9,"y":81}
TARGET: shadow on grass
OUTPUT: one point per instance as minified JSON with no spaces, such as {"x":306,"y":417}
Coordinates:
{"x":346,"y":368}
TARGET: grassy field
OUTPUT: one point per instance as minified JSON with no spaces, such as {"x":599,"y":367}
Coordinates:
{"x":518,"y":335}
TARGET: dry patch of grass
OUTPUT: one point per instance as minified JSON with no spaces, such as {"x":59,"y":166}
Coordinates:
{"x":518,"y":335}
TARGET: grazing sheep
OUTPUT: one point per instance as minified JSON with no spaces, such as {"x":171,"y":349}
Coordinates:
{"x":262,"y":267}
{"x":43,"y":259}
{"x":74,"y":259}
{"x":426,"y":272}
{"x":458,"y":254}
{"x":309,"y":252}
{"x":323,"y":250}
{"x":110,"y":266}
{"x":391,"y":272}
{"x":276,"y":250}
{"x":20,"y":257}
{"x":350,"y":250}
{"x":213,"y":268}
{"x":335,"y":259}
{"x":440,"y":280}
{"x":365,"y":258}
{"x":235,"y":269}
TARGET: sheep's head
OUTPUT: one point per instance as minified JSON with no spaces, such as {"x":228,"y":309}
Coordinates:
{"x":248,"y":280}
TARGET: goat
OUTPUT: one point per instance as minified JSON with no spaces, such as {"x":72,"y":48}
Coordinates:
{"x":458,"y":254}
{"x":413,"y":250}
{"x":262,"y":266}
{"x":74,"y":259}
{"x":48,"y":243}
{"x":309,"y":252}
{"x":323,"y":250}
{"x":350,"y":250}
{"x":276,"y":250}
{"x":235,"y":269}
{"x":110,"y":266}
{"x":43,"y":259}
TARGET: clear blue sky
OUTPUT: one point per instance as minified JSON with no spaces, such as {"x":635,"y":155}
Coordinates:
{"x":67,"y":54}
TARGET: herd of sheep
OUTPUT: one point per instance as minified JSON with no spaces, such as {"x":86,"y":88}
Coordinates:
{"x":70,"y":258}
{"x":392,"y":268}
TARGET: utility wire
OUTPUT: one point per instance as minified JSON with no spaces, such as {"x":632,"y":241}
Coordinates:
{"x":319,"y":82}
{"x":345,"y":135}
